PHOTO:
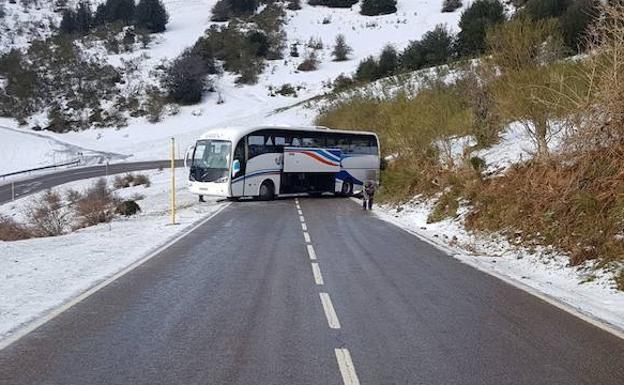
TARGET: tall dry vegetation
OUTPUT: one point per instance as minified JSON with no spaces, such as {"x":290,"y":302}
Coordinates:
{"x":575,"y":200}
{"x":572,"y":199}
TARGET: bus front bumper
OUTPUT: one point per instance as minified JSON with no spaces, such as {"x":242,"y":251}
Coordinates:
{"x":209,"y":188}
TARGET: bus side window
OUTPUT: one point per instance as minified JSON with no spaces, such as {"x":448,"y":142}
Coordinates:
{"x":256,"y":145}
{"x":343,"y":144}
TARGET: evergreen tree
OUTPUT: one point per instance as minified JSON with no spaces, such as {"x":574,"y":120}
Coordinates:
{"x":243,"y":7}
{"x":152,"y":15}
{"x":435,"y":48}
{"x":368,"y":70}
{"x":120,"y":10}
{"x":186,"y":79}
{"x":84,"y":18}
{"x":546,"y":9}
{"x":388,"y":61}
{"x":378,"y":7}
{"x":474,"y":23}
{"x":576,"y":20}
{"x":221,"y":11}
{"x":68,"y":23}
{"x":99,"y":18}
{"x":341,"y":49}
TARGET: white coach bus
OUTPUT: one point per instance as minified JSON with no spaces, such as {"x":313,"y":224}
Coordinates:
{"x":271,"y":161}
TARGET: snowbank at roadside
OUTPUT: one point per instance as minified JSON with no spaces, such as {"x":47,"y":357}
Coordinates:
{"x":38,"y":275}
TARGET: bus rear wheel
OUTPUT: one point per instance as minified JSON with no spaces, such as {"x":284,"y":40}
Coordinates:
{"x":347,"y":188}
{"x":267,"y":191}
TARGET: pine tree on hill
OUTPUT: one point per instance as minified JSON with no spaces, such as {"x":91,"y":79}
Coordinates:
{"x":152,"y":15}
{"x":378,"y":7}
{"x":341,"y":49}
{"x":242,"y":7}
{"x":474,"y":23}
{"x":84,"y":18}
{"x":120,"y":10}
{"x":99,"y":18}
{"x":68,"y":23}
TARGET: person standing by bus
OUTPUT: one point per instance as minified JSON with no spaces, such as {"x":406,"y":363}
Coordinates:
{"x":368,"y":194}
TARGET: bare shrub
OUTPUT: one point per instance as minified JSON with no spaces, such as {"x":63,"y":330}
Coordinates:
{"x":97,"y":205}
{"x":11,"y":230}
{"x":309,"y":64}
{"x":48,"y":216}
{"x":130,"y":180}
{"x":142,"y":180}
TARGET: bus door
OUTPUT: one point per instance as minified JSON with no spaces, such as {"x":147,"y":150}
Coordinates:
{"x":239,"y":163}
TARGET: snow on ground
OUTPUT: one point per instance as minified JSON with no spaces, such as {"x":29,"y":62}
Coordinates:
{"x":252,"y":105}
{"x":515,"y":146}
{"x":589,"y":292}
{"x":24,"y":150}
{"x":38,"y":275}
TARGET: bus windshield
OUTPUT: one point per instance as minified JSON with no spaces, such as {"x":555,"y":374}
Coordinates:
{"x":211,"y":161}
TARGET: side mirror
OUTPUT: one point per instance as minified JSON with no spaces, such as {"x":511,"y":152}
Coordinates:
{"x":189,"y":153}
{"x":236,"y":167}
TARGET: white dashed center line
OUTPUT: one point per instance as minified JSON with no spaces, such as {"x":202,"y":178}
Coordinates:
{"x":349,"y":377}
{"x":311,"y":252}
{"x":345,"y":364}
{"x":318,"y":277}
{"x":330,"y":313}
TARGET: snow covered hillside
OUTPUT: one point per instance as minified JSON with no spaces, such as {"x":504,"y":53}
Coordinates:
{"x":253,"y":104}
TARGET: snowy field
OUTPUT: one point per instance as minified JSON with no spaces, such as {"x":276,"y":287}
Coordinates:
{"x":38,"y":275}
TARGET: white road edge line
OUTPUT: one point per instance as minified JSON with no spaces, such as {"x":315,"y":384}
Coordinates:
{"x":304,"y":227}
{"x":347,"y":369}
{"x":299,"y":212}
{"x":306,"y":236}
{"x":311,"y":252}
{"x":301,"y":218}
{"x":330,"y":313}
{"x":316,"y":271}
{"x":601,"y":324}
{"x":20,"y":333}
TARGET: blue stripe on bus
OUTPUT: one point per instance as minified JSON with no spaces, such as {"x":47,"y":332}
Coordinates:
{"x":256,"y":173}
{"x":345,"y":176}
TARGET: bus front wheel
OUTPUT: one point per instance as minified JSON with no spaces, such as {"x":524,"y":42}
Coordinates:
{"x":267,"y":191}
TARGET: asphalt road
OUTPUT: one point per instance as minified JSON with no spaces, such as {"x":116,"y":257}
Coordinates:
{"x":249,"y":298}
{"x":48,"y":180}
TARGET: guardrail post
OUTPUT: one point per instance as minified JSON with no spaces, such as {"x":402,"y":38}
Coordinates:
{"x":13,"y":191}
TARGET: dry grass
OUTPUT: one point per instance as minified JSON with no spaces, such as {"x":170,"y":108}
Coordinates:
{"x":97,"y":205}
{"x":11,"y":230}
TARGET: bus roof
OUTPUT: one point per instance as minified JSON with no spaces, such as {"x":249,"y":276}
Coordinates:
{"x":235,"y":133}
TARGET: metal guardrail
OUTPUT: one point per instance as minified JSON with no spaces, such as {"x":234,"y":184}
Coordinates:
{"x":76,"y":162}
